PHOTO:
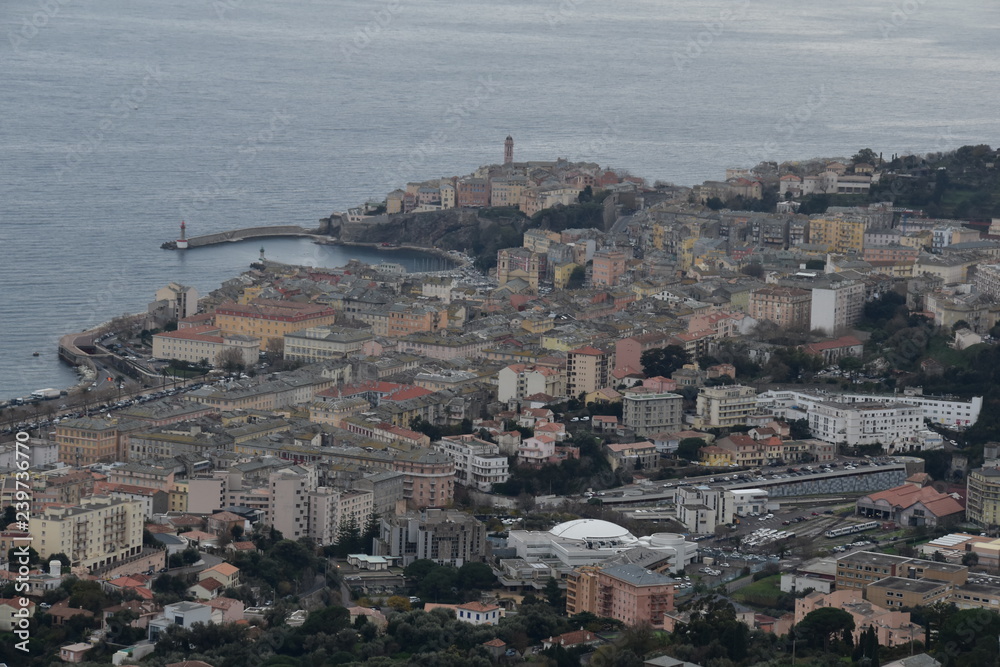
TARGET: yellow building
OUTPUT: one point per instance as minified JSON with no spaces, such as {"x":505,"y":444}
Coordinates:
{"x":178,"y":499}
{"x":250,"y":293}
{"x":269,"y":319}
{"x":716,"y":457}
{"x":88,"y":440}
{"x":561,"y":274}
{"x":99,"y":531}
{"x":837,"y":234}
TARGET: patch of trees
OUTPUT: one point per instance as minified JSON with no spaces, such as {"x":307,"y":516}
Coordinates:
{"x":591,"y":470}
{"x":575,"y":216}
{"x":664,"y":360}
{"x":443,"y":583}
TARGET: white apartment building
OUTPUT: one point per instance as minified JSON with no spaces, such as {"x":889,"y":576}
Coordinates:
{"x":329,"y":508}
{"x":647,"y":411}
{"x":791,"y":404}
{"x":288,"y":505}
{"x":724,"y":406}
{"x":987,"y":280}
{"x":748,"y":501}
{"x":98,"y":531}
{"x":478,"y":463}
{"x":517,"y":381}
{"x":181,"y":300}
{"x":207,"y":342}
{"x":865,"y":423}
{"x":836,"y":306}
{"x":702,"y":508}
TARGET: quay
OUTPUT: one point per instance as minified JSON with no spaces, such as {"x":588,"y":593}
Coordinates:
{"x":235,"y":235}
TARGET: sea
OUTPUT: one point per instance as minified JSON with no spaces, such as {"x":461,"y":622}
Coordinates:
{"x":120,"y":118}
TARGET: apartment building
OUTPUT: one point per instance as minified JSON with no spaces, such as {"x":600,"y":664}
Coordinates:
{"x":517,"y":381}
{"x":447,"y":537}
{"x":628,"y":351}
{"x":628,"y":593}
{"x":724,"y":406}
{"x":608,"y":266}
{"x":588,"y":369}
{"x":478,"y":463}
{"x":836,"y":306}
{"x":788,"y":307}
{"x":428,"y":478}
{"x":648,"y":411}
{"x":329,"y":509}
{"x":702,"y":508}
{"x":179,"y":301}
{"x":269,"y":319}
{"x":88,"y":440}
{"x":887,"y":424}
{"x":983,"y":497}
{"x":99,"y":531}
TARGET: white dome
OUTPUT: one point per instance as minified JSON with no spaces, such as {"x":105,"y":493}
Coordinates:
{"x":591,"y":529}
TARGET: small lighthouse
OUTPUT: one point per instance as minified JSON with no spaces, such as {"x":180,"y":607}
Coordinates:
{"x":182,"y":243}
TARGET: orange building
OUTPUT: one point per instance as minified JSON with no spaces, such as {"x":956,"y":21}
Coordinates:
{"x":90,"y":440}
{"x":405,"y":320}
{"x":268,"y":319}
{"x":608,"y":267}
{"x":628,"y":593}
{"x":428,"y":478}
{"x":788,"y":307}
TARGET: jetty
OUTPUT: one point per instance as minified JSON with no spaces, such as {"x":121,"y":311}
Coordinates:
{"x":235,"y":235}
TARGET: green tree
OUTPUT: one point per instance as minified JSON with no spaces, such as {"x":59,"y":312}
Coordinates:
{"x":555,"y":595}
{"x":865,"y":155}
{"x":688,"y":448}
{"x":577,"y":277}
{"x":476,"y":576}
{"x":664,"y":360}
{"x":822,"y":626}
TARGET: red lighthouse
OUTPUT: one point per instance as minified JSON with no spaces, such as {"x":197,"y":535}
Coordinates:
{"x":182,"y":243}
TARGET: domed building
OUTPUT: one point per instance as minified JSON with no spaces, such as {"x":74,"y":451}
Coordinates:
{"x":555,"y":552}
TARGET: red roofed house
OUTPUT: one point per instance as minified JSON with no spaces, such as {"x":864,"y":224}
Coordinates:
{"x":227,"y":574}
{"x":632,"y":455}
{"x":207,"y":589}
{"x":911,"y":505}
{"x":579,"y":637}
{"x":832,"y":350}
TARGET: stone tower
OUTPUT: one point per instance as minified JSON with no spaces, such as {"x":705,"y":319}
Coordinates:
{"x":508,"y":150}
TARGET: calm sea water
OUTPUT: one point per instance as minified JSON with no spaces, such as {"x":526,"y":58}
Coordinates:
{"x":119,"y":118}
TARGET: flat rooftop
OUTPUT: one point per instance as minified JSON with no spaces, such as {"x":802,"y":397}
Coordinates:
{"x":914,"y":585}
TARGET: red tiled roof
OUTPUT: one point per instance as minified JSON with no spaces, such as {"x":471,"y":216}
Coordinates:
{"x":908,"y":495}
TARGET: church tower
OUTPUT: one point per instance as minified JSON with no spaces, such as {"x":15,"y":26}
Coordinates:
{"x":508,"y":150}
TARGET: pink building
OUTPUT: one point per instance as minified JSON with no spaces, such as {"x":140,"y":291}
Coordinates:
{"x":628,"y":351}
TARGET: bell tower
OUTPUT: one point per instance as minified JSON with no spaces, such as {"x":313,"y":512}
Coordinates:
{"x":508,"y":150}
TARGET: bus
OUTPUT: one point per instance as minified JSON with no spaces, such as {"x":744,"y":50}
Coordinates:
{"x":855,"y":528}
